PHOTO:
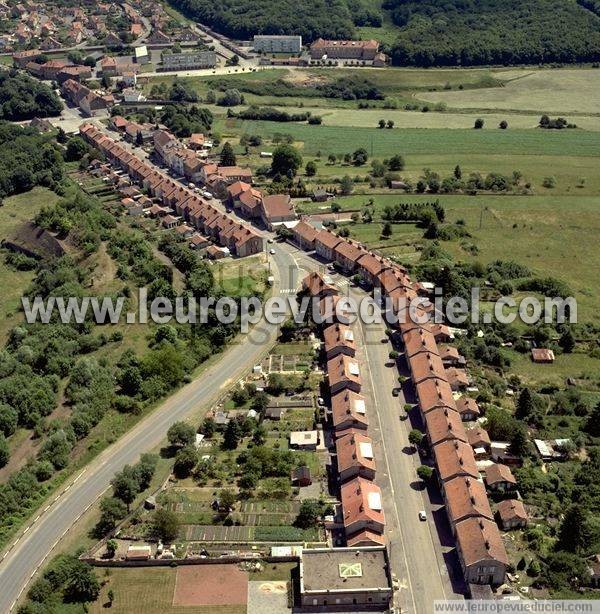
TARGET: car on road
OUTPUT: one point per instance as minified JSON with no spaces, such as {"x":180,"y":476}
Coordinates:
{"x":423,"y":515}
{"x":271,"y":251}
{"x":396,"y":391}
{"x":270,"y":241}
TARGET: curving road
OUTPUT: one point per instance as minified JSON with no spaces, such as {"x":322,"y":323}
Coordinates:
{"x":30,"y":551}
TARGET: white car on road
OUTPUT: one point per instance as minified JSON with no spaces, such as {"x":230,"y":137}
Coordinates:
{"x":423,"y":515}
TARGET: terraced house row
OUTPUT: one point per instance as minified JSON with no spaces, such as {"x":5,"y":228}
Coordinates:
{"x":240,"y":239}
{"x":362,"y":509}
{"x":478,"y":539}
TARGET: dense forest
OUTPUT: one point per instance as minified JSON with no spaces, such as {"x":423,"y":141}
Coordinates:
{"x":430,"y":32}
{"x":242,"y":19}
{"x":31,"y":159}
{"x":472,"y":32}
{"x":22,"y":97}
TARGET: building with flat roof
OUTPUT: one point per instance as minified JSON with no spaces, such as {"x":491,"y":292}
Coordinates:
{"x":271,"y":43}
{"x":349,"y":578}
{"x":189,"y":61}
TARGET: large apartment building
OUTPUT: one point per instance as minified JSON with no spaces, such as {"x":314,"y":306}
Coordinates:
{"x":189,"y":61}
{"x":344,"y":50}
{"x":277,"y":44}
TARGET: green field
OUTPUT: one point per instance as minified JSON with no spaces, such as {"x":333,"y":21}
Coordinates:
{"x":558,"y":91}
{"x":148,"y":591}
{"x":554,"y":236}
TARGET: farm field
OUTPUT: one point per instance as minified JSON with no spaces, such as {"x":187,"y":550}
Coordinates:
{"x":334,"y":139}
{"x":554,"y":236}
{"x":149,"y":591}
{"x":550,"y":90}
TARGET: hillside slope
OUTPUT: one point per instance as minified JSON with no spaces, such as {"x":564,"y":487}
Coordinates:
{"x":475,"y":32}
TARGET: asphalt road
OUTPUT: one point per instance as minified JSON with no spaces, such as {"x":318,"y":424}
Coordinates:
{"x":31,"y":550}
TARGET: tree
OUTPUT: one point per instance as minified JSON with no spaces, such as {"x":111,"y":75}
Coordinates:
{"x":574,"y":534}
{"x":232,"y":435}
{"x":231,"y":98}
{"x":239,"y":395}
{"x":260,"y":435}
{"x":90,"y":61}
{"x":396,"y":163}
{"x":425,"y":473}
{"x":165,"y":525}
{"x":457,"y":172}
{"x":415,"y":437}
{"x":503,"y":125}
{"x":308,"y":514}
{"x":286,"y":159}
{"x":209,"y":426}
{"x":227,"y":499}
{"x":519,"y":440}
{"x":139,"y":138}
{"x":360,"y":157}
{"x":112,"y":510}
{"x":76,"y":149}
{"x":9,"y":419}
{"x":125,"y":486}
{"x":185,"y":461}
{"x":181,"y":434}
{"x":331,"y":158}
{"x":478,"y":124}
{"x":592,"y":425}
{"x":381,"y":123}
{"x":111,"y":548}
{"x":311,"y":169}
{"x":386,"y":231}
{"x":227,"y":155}
{"x":248,"y":481}
{"x":567,"y":341}
{"x":106,"y":82}
{"x":111,"y":596}
{"x":82,"y":584}
{"x":346,"y":185}
{"x":40,"y":591}
{"x":260,"y":402}
{"x":390,"y":124}
{"x":525,"y":406}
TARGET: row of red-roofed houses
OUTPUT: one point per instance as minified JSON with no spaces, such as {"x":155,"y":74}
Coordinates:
{"x":479,"y":542}
{"x":362,"y":512}
{"x":239,"y":239}
{"x":233,"y":183}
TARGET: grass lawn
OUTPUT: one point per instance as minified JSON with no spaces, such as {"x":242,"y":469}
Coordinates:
{"x":576,"y":365}
{"x":148,"y":591}
{"x":241,"y":278}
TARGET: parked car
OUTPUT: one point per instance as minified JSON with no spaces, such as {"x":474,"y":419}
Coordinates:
{"x":422,"y":515}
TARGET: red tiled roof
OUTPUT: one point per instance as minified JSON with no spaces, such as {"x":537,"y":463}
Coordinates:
{"x":496,"y":473}
{"x":361,"y":502}
{"x":479,"y":540}
{"x":354,"y":450}
{"x":455,"y":458}
{"x":466,"y":497}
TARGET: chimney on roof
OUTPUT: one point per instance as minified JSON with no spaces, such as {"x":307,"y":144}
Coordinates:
{"x":472,"y":499}
{"x":487,"y":544}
